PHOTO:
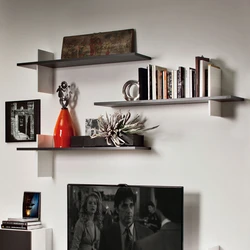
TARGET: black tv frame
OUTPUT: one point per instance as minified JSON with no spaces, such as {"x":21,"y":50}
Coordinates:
{"x":174,"y":196}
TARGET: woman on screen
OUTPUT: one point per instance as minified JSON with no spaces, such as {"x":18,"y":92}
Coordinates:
{"x":87,"y":228}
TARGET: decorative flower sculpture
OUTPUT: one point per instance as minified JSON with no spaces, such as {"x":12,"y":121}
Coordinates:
{"x":64,"y":94}
{"x":115,"y":126}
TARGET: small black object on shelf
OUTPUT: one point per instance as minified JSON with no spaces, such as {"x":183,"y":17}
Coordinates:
{"x":87,"y":141}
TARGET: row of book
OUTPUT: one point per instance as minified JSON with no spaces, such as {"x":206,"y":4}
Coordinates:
{"x":156,"y":82}
{"x":22,"y":224}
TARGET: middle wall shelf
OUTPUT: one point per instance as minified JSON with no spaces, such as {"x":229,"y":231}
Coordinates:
{"x":83,"y":148}
{"x":214,"y":102}
{"x":228,"y":98}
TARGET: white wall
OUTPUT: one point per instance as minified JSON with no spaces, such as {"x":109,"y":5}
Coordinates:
{"x":207,"y":155}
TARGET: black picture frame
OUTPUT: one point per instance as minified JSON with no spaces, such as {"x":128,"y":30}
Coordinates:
{"x":170,"y":197}
{"x":22,"y":120}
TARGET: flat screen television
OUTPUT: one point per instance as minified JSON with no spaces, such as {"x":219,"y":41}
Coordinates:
{"x":98,"y":215}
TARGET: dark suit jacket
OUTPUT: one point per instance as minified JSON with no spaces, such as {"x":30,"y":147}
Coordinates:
{"x":169,"y":237}
{"x":111,"y":237}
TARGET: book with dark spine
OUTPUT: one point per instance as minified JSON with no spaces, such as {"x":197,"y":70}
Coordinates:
{"x":203,"y":78}
{"x":169,"y":75}
{"x":192,"y":83}
{"x":197,"y":73}
{"x":206,"y":82}
{"x":143,"y":83}
{"x":20,"y":227}
{"x":181,"y":82}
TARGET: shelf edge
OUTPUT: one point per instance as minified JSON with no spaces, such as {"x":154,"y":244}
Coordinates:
{"x":226,"y":98}
{"x":82,"y":148}
{"x":60,"y":63}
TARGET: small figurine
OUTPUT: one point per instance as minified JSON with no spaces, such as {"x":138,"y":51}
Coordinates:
{"x":64,"y":94}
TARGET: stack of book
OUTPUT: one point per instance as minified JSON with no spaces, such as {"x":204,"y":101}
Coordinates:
{"x":156,"y":82}
{"x":22,"y":223}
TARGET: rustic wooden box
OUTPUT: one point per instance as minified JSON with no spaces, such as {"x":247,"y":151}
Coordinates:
{"x":99,"y":44}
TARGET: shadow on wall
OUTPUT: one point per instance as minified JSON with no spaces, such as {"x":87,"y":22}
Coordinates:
{"x":72,"y":104}
{"x":191,"y":221}
{"x":228,"y":83}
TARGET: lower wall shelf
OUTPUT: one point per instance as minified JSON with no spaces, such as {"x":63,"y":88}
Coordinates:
{"x":83,"y":148}
{"x":45,"y":153}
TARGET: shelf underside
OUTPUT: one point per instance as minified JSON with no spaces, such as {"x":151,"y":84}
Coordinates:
{"x":193,"y":100}
{"x":82,"y":148}
{"x":90,"y":60}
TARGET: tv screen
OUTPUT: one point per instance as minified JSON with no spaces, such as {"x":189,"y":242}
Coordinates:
{"x":122,"y":217}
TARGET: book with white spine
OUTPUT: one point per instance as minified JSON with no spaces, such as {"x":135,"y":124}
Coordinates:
{"x":23,"y":219}
{"x":149,"y":82}
{"x":174,"y":84}
{"x":214,"y":80}
{"x":190,"y":83}
{"x":154,"y":87}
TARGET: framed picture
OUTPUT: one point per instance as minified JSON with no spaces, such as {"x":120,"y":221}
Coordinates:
{"x":32,"y":205}
{"x":99,"y":44}
{"x":22,"y":120}
{"x":91,"y":126}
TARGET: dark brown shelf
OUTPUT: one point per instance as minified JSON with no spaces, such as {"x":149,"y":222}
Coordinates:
{"x":82,"y":148}
{"x":90,"y":60}
{"x":228,"y":98}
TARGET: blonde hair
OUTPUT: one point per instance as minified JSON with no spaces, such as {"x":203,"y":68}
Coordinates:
{"x":98,"y":214}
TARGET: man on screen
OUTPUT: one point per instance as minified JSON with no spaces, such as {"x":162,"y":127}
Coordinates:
{"x":123,"y":234}
{"x":169,"y":237}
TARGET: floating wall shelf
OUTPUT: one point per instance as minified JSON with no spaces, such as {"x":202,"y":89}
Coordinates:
{"x":46,"y":64}
{"x":45,"y":153}
{"x":84,"y":148}
{"x":214,"y":102}
{"x":193,"y":100}
{"x":90,"y":60}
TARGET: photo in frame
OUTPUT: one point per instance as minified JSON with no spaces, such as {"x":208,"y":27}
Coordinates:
{"x":91,"y":126}
{"x":22,"y":120}
{"x":32,"y":205}
{"x":156,"y":213}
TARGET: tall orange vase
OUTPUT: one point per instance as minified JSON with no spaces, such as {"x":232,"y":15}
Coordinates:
{"x":63,"y":130}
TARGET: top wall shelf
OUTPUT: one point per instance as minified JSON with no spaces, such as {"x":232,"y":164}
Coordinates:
{"x":90,"y":60}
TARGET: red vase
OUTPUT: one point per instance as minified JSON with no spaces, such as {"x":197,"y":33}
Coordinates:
{"x":63,"y":130}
